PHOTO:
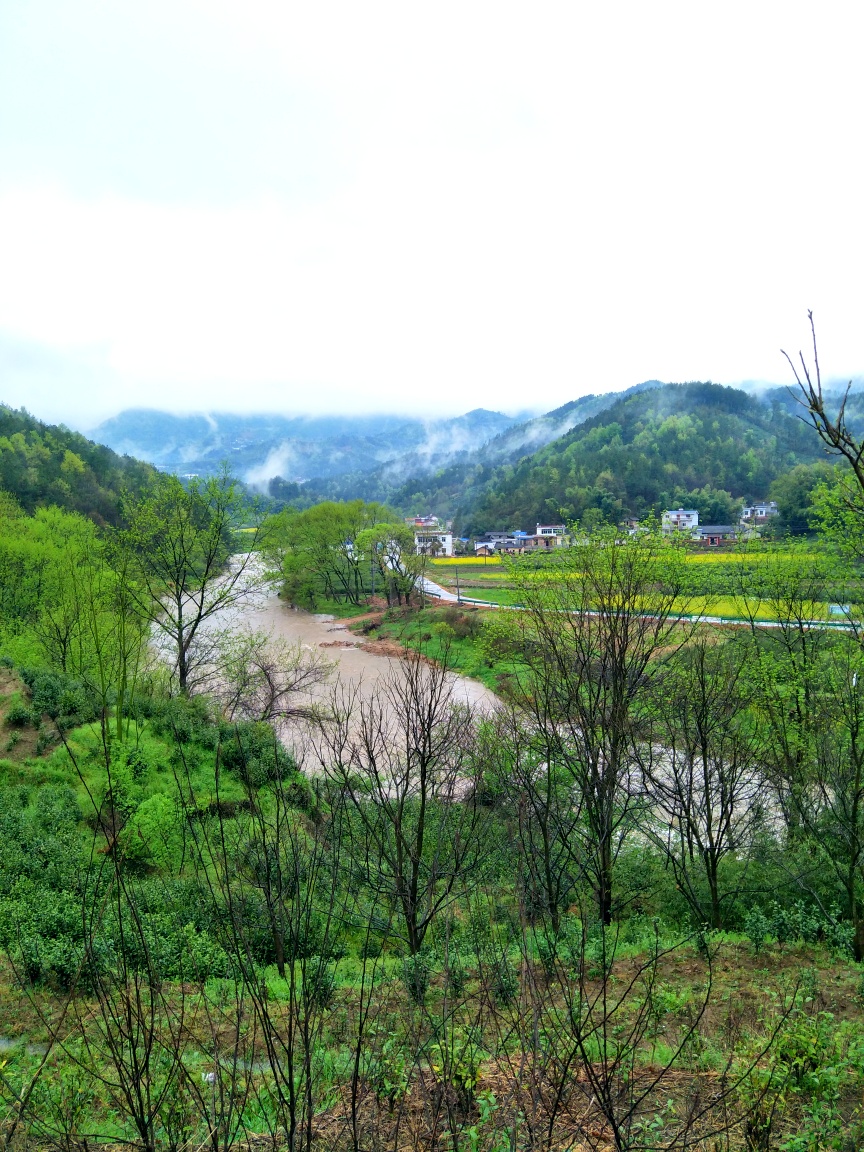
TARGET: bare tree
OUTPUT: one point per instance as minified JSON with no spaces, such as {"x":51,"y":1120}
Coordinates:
{"x":599,"y":623}
{"x":183,"y":561}
{"x":258,"y":677}
{"x":545,"y":808}
{"x":403,"y":760}
{"x":834,"y":432}
{"x":703,"y":772}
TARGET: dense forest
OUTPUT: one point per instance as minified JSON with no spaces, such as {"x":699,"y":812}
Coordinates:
{"x":689,"y":444}
{"x":47,"y":464}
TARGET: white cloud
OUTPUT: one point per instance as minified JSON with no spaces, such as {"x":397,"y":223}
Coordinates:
{"x":510,"y":206}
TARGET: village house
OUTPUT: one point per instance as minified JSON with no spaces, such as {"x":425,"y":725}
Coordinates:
{"x":547,"y":536}
{"x":680,"y":520}
{"x":433,"y":543}
{"x":500,"y":542}
{"x":759,"y":511}
{"x":715,"y":534}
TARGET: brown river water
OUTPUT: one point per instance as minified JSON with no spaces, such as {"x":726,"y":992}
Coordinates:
{"x":355,"y":664}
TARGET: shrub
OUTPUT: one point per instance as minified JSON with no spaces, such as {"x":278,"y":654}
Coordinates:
{"x":416,"y":971}
{"x":59,"y":696}
{"x":19,"y":715}
{"x":319,"y":983}
{"x":757,"y":929}
{"x":503,"y":981}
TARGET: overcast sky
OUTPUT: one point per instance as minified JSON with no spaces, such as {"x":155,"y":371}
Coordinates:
{"x":306,"y":206}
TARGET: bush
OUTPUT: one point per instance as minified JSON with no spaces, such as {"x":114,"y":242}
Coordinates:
{"x":757,"y":929}
{"x":504,"y":981}
{"x":19,"y":715}
{"x":319,"y":984}
{"x":416,"y":972}
{"x":63,"y":699}
{"x":254,"y":752}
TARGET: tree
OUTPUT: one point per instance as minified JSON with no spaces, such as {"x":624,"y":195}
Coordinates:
{"x":402,"y":758}
{"x":827,"y":797}
{"x":599,"y":624}
{"x":319,"y":552}
{"x":794,"y":492}
{"x":545,"y":809}
{"x":257,"y":677}
{"x":391,"y":549}
{"x":834,"y":432}
{"x":178,"y":547}
{"x":703,"y":773}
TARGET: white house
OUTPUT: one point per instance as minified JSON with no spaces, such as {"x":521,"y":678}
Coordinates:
{"x":680,"y":520}
{"x":433,"y":543}
{"x":759,"y":511}
{"x":548,"y":536}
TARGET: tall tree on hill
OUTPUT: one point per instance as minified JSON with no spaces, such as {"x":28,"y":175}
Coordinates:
{"x":179,"y":548}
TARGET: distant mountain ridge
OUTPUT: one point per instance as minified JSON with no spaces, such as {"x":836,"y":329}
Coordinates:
{"x":604,"y":456}
{"x":297,"y":448}
{"x":301,"y":449}
{"x":703,"y":444}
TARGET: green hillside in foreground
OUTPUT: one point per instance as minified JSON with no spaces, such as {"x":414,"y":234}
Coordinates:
{"x":702,"y":445}
{"x":43,"y":464}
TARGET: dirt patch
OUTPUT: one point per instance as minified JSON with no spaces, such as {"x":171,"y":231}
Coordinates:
{"x":18,"y":741}
{"x":375,"y":617}
{"x":384,"y":648}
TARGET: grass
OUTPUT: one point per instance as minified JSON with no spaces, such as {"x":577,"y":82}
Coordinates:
{"x":453,"y":632}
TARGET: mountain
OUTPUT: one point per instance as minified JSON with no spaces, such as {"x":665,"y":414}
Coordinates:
{"x":703,"y":445}
{"x":599,"y":457}
{"x":416,"y":481}
{"x":540,"y":430}
{"x":298,"y":448}
{"x":787,"y":400}
{"x":44,"y":464}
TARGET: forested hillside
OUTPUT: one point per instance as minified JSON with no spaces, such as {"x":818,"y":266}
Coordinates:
{"x":694,"y":444}
{"x":247,"y":894}
{"x":416,"y":482}
{"x":45,"y":464}
{"x":702,"y":444}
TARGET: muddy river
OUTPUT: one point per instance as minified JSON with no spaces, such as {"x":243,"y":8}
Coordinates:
{"x":354,"y":664}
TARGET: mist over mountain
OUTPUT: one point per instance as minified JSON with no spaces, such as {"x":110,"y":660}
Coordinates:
{"x":700,"y":444}
{"x":295,"y":448}
{"x":261,"y":448}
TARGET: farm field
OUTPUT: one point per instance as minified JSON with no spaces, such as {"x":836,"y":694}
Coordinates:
{"x":497,"y":582}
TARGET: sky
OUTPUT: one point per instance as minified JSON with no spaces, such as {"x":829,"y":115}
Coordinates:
{"x":344,"y":207}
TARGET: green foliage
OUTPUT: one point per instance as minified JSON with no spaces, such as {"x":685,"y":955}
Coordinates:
{"x":701,"y":445}
{"x":42,"y":464}
{"x":19,"y":715}
{"x":334,"y":551}
{"x":794,"y":492}
{"x":416,"y":973}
